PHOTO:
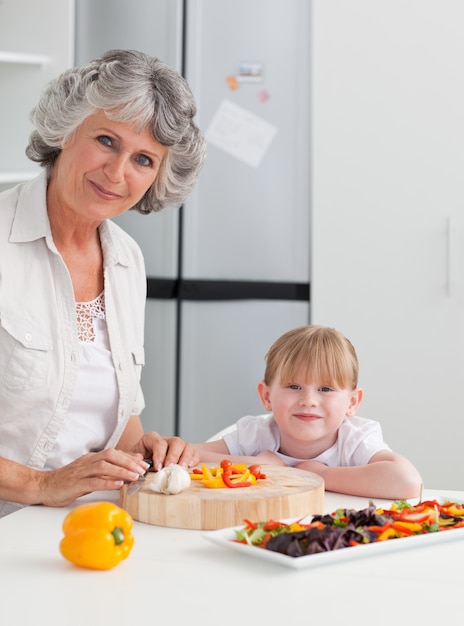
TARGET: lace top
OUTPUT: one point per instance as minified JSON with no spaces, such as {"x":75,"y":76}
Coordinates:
{"x":86,"y":312}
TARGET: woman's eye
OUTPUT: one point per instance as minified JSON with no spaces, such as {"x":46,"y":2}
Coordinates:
{"x":105,"y":140}
{"x":144,"y":160}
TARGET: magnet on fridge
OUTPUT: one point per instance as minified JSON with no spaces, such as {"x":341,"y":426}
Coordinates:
{"x":263,"y":96}
{"x":249,"y":72}
{"x":232,"y":82}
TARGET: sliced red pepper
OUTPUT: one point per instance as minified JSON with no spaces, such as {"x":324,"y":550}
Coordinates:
{"x":232,"y":483}
{"x":408,"y":515}
{"x":251,"y":525}
{"x":430,"y":504}
{"x":272,"y":525}
{"x":378,"y":529}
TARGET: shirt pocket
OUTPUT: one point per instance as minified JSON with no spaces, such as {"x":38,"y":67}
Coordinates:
{"x":138,"y":356}
{"x":24,"y":353}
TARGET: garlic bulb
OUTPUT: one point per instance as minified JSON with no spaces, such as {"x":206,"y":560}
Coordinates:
{"x":171,"y":479}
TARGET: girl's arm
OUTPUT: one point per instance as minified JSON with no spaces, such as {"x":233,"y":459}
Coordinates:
{"x":388,"y":475}
{"x":217,"y":451}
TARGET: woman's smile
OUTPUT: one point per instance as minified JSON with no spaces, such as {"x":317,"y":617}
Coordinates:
{"x":104,"y":193}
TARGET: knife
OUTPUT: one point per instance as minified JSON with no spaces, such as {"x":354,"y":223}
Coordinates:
{"x":134,"y":487}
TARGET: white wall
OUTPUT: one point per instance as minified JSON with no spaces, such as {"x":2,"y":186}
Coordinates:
{"x":388,"y":231}
{"x":38,"y":30}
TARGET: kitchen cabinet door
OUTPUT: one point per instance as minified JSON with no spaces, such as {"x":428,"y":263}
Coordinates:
{"x":36,"y":44}
{"x":387,"y":218}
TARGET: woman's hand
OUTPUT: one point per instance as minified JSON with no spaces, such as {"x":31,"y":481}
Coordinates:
{"x":151,"y":445}
{"x":166,"y":450}
{"x":96,"y":471}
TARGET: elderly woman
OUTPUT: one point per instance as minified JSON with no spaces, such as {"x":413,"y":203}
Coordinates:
{"x":113,"y":135}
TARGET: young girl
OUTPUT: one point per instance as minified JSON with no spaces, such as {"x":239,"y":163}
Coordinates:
{"x":310,"y":391}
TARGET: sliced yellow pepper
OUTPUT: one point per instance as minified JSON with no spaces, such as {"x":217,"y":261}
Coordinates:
{"x":453,"y":510}
{"x":409,"y":527}
{"x":389,"y":533}
{"x":241,"y":467}
{"x":214,"y":483}
{"x":211,"y":477}
{"x":240,"y":478}
{"x":207,"y":474}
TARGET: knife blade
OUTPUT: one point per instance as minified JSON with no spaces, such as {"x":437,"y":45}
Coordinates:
{"x":136,"y":485}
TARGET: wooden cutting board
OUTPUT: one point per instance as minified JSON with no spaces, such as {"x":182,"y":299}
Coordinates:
{"x":286,"y":492}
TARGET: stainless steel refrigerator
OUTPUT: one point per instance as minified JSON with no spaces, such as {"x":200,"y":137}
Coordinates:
{"x":229,"y":271}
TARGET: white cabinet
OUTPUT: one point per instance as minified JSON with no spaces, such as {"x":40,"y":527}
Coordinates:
{"x":36,"y":44}
{"x":387,"y":214}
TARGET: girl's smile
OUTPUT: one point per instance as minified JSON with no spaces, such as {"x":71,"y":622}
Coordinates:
{"x":308,"y":415}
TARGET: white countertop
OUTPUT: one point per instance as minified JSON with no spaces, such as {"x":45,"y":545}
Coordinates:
{"x":176,"y":577}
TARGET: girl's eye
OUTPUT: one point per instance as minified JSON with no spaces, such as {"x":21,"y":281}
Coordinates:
{"x":144,"y":160}
{"x":294,"y":386}
{"x":325,"y":389}
{"x":105,"y":140}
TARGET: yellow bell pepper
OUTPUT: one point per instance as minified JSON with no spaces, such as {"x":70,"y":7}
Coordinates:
{"x":97,"y":535}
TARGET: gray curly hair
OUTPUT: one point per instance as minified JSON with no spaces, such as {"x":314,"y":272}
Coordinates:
{"x":130,"y":87}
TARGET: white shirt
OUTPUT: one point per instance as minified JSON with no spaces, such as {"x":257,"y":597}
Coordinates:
{"x":358,"y":440}
{"x":92,"y":414}
{"x":39,"y":345}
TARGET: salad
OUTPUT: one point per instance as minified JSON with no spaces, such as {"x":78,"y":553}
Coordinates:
{"x":350,"y":527}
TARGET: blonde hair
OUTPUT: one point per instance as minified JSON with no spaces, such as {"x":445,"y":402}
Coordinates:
{"x":317,"y":353}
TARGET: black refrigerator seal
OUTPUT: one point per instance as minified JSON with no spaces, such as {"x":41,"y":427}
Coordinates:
{"x":220,"y":290}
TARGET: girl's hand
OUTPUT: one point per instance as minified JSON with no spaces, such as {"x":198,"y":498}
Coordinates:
{"x":313,"y":466}
{"x":269,"y":458}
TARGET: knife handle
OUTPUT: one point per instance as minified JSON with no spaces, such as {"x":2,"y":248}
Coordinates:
{"x":150,"y":466}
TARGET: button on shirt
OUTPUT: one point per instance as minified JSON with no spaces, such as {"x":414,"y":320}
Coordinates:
{"x":39,"y":345}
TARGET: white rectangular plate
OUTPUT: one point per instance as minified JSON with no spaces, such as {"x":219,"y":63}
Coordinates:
{"x":224,"y":537}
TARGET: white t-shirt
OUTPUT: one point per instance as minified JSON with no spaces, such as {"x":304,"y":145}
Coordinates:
{"x":92,"y":414}
{"x":358,"y":440}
